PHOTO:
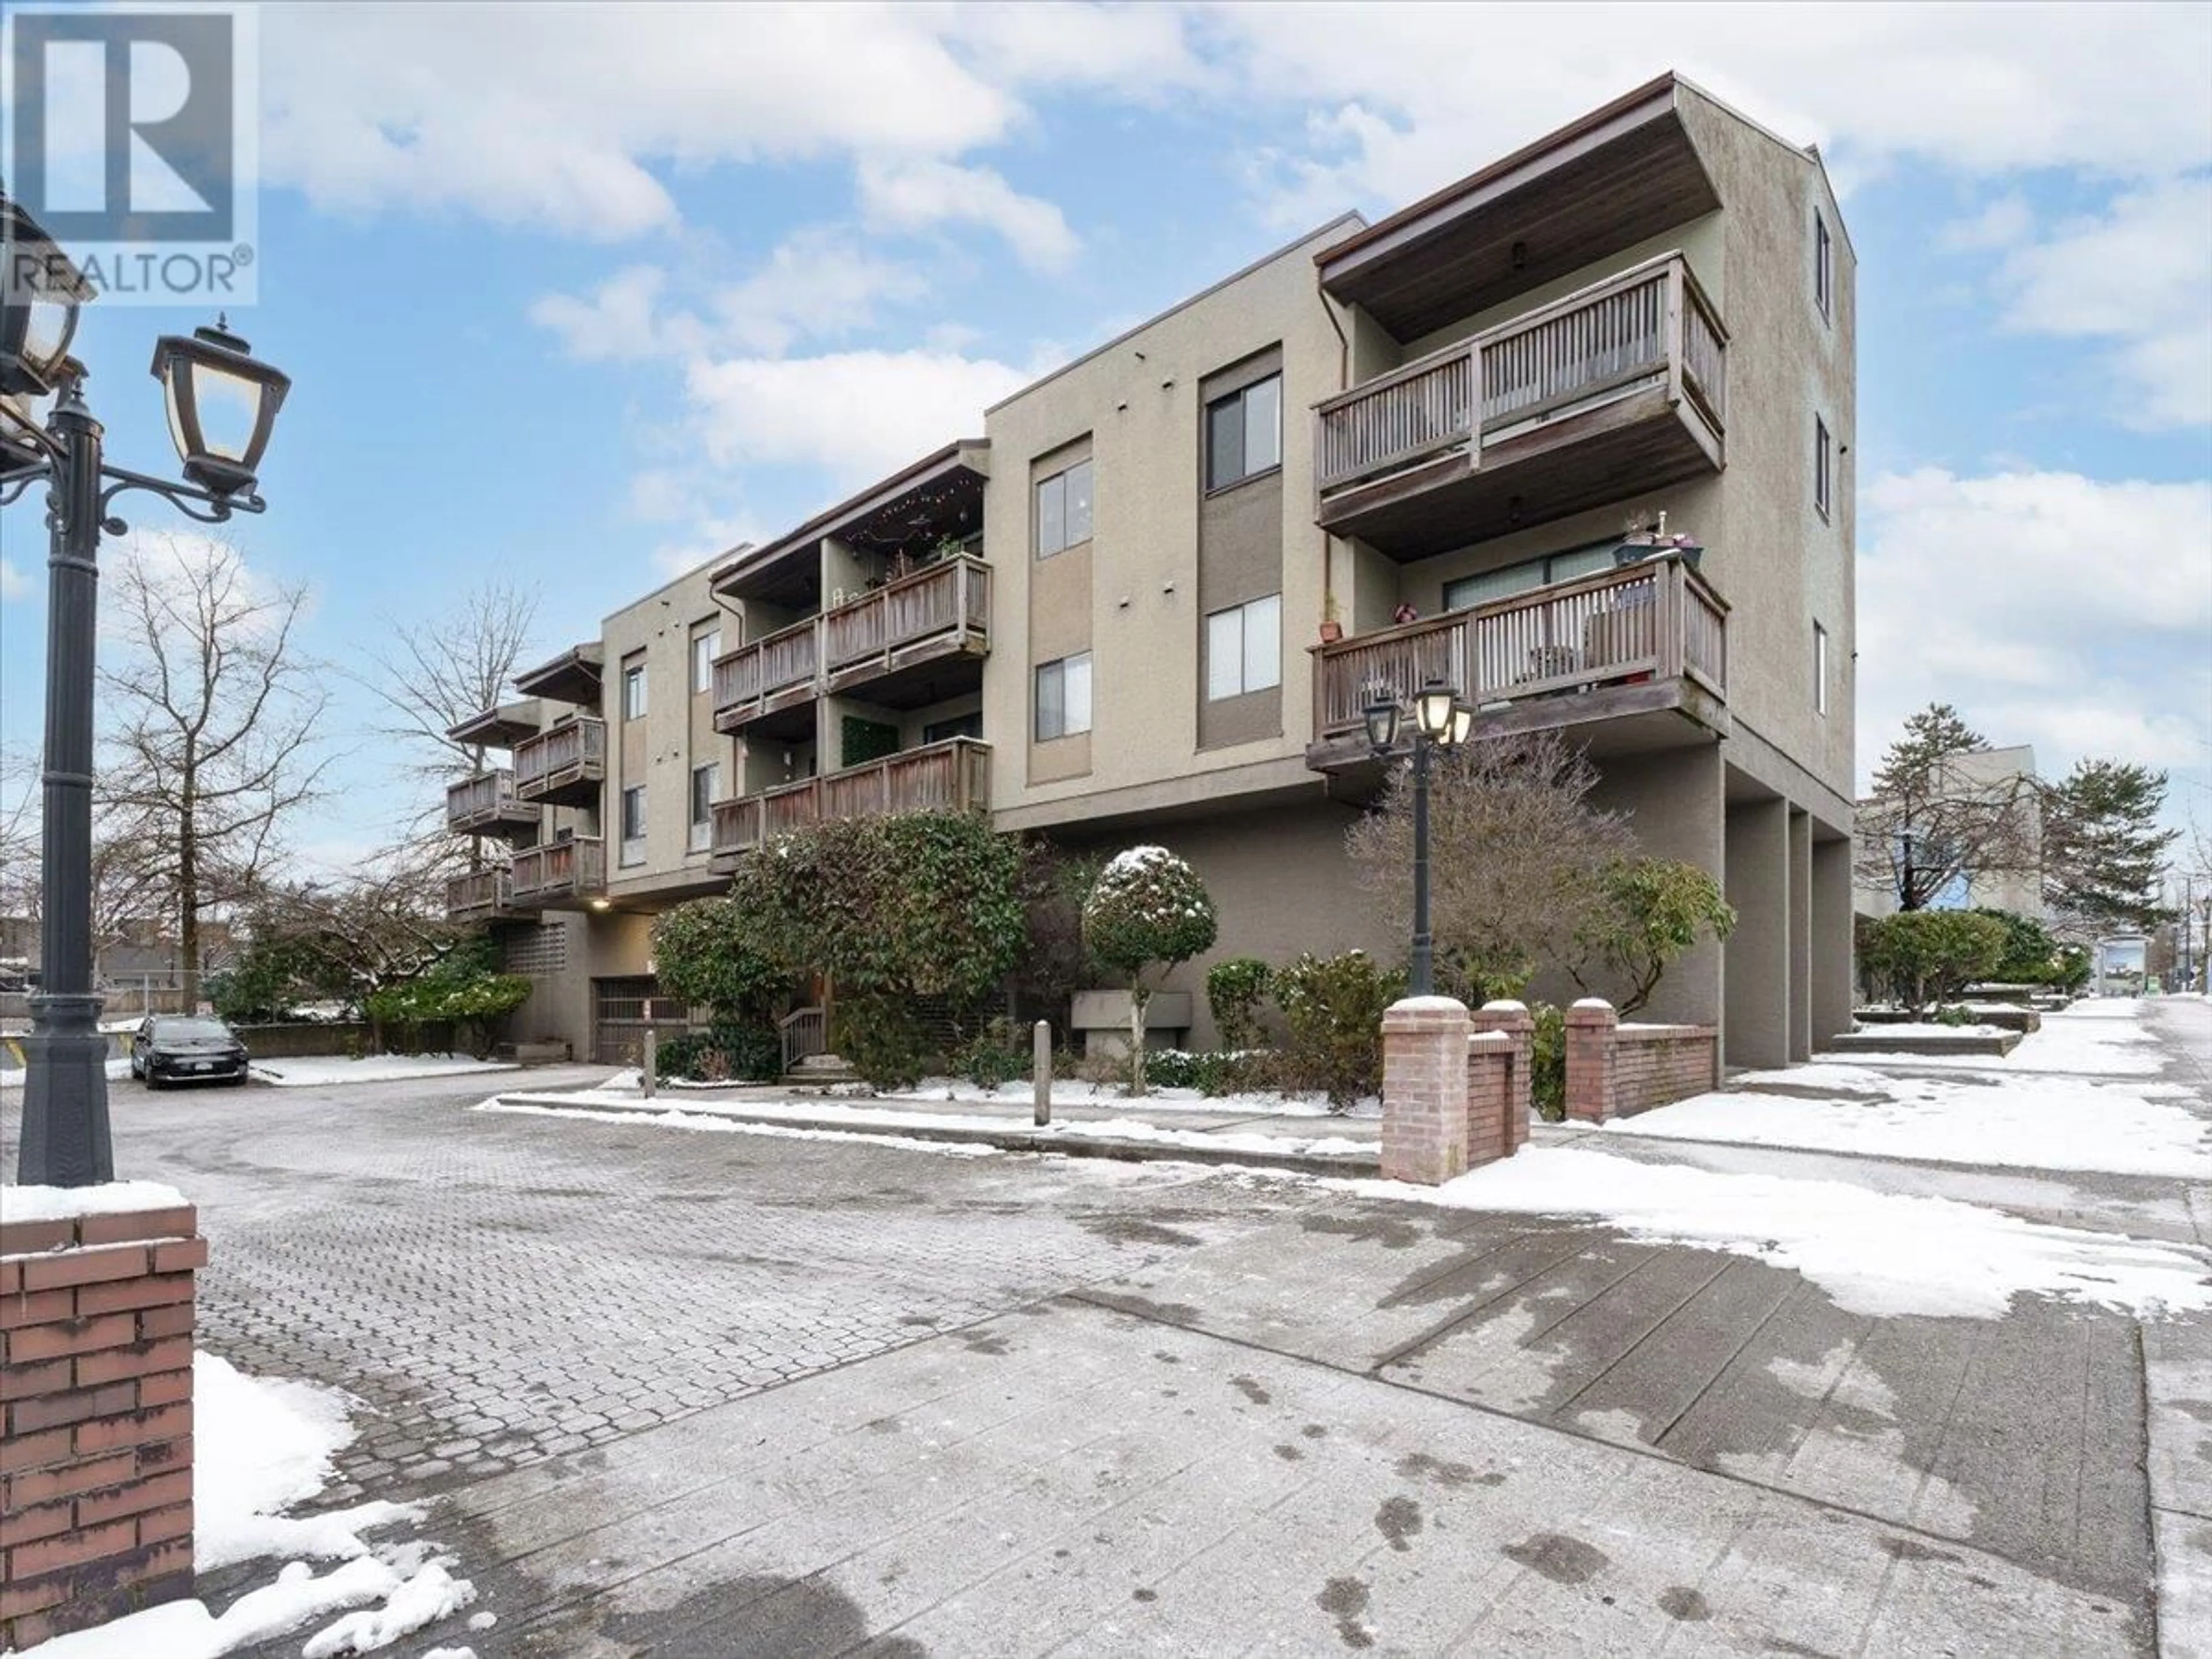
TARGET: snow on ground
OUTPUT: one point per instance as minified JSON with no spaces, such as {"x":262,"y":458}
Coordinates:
{"x":1880,"y":1253}
{"x":13,"y":1077}
{"x":835,"y":1115}
{"x":1070,"y":1092}
{"x":2103,"y":1039}
{"x":261,"y":1445}
{"x":2029,"y":1122}
{"x":319,"y":1071}
{"x":66,"y":1203}
{"x":584,"y":1107}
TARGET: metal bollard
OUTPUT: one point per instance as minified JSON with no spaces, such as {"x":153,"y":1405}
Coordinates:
{"x":651,"y":1059}
{"x":1040,"y":1070}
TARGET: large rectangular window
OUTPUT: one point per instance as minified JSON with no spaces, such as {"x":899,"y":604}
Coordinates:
{"x":1244,"y":649}
{"x":705,"y":647}
{"x":1823,"y":467}
{"x":706,"y":784}
{"x":1820,"y":669}
{"x":1504,"y":583}
{"x":634,"y":692}
{"x":1824,"y":266}
{"x":633,"y":824}
{"x":1063,"y":697}
{"x":1244,"y":432}
{"x":1063,"y":510}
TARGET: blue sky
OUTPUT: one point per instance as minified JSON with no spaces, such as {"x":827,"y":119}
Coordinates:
{"x":580,"y":297}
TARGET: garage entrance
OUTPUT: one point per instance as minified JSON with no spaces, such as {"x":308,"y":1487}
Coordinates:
{"x":624,"y":1011}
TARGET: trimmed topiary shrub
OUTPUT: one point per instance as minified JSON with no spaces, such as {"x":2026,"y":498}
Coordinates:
{"x":1148,"y":911}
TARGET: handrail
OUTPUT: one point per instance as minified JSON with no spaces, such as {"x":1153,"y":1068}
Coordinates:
{"x":576,"y":866}
{"x":952,"y":774}
{"x":579,"y":743}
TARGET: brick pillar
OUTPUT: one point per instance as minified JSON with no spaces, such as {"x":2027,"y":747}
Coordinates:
{"x":1590,"y":1026}
{"x":1424,"y":1090}
{"x":1514,"y":1019}
{"x":96,"y":1450}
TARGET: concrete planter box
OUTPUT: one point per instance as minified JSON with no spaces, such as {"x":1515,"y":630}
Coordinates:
{"x":1878,"y":1042}
{"x":1103,"y":1019}
{"x":2023,"y":1020}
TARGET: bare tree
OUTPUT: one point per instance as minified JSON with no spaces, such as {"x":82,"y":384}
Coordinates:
{"x":1517,"y":864}
{"x":1938,"y":814}
{"x":432,"y":676}
{"x":212,"y":712}
{"x":382,"y":923}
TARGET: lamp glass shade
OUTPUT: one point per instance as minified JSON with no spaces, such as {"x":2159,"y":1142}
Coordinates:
{"x":39,"y":293}
{"x":222,"y":404}
{"x":1382,"y":725}
{"x":1432,"y":708}
{"x":1462,"y":723}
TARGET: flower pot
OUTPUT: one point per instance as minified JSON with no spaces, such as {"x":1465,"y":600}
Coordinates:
{"x":1331,"y":632}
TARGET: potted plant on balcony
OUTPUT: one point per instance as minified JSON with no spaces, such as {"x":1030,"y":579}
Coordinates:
{"x":1332,"y":625}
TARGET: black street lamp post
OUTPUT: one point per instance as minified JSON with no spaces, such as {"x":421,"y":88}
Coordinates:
{"x":221,"y":404}
{"x":1442,"y":720}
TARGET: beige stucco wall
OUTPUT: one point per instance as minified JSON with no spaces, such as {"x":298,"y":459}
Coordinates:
{"x":1139,"y":611}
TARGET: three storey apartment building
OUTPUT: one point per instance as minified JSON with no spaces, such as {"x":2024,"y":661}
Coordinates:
{"x":1152,"y":597}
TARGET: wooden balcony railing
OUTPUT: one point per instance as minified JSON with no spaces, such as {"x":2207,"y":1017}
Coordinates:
{"x":954,"y":775}
{"x":565,"y":756}
{"x":1650,"y":324}
{"x":1653,"y":620}
{"x":478,"y":896}
{"x":559,"y":869}
{"x":486,"y":800}
{"x":949,"y":602}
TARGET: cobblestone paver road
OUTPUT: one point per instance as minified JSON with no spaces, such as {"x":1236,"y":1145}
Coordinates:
{"x":499,"y":1288}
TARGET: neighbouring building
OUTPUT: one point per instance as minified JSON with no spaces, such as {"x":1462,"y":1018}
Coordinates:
{"x":1150,"y":598}
{"x":1994,"y":784}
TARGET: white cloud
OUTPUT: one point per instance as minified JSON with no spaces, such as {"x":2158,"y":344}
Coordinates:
{"x":14,"y":584}
{"x":1408,"y":97}
{"x":624,"y":319}
{"x":2138,"y":275}
{"x":2050,"y":609}
{"x":916,"y":195}
{"x":855,"y":414}
{"x":2001,"y":223}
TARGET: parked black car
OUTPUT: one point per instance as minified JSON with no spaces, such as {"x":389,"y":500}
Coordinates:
{"x":186,"y":1048}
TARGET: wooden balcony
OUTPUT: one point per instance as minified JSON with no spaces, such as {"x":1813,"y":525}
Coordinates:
{"x":486,"y":805}
{"x":563,"y":765}
{"x":954,"y":775}
{"x":559,"y":874}
{"x":1643,"y":648}
{"x":1607,"y":394}
{"x":908,"y":641}
{"x":479,"y":895}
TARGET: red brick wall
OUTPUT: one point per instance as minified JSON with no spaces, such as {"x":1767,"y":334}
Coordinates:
{"x":1514,"y":1019}
{"x":1653,"y":1065}
{"x":96,"y":1449}
{"x":1489,"y":1074}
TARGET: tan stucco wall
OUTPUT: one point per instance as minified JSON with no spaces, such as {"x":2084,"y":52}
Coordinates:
{"x":1143,"y":415}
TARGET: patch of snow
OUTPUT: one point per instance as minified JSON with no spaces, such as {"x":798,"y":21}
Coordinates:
{"x":1590,"y":1002}
{"x":116,"y":1070}
{"x":1428,"y":1006}
{"x":67,"y":1203}
{"x":535,"y":1108}
{"x":1858,"y":1079}
{"x":482,"y":1621}
{"x":1928,"y":1027}
{"x":453,"y":1653}
{"x":431,"y":1594}
{"x":1882,"y":1254}
{"x":1504,"y":1006}
{"x":2021,"y":1122}
{"x":322,"y":1071}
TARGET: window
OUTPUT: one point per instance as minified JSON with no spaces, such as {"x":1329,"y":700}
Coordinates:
{"x":633,"y":824}
{"x":1063,"y":510}
{"x":634,"y":692}
{"x":1513,"y":579}
{"x":706,"y":784}
{"x":1063,"y":697}
{"x":1244,"y":432}
{"x":1823,"y":466}
{"x":705,"y":647}
{"x":1244,"y":649}
{"x":1824,"y":266}
{"x":1820,"y":669}
{"x":970,"y":725}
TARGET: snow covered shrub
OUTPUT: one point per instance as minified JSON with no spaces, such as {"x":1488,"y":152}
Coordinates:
{"x":1149,"y":911}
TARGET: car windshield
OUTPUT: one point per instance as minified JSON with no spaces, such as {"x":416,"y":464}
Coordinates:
{"x":194,"y":1029}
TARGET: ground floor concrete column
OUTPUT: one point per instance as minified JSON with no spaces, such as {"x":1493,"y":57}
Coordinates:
{"x":1833,"y":975}
{"x":1674,"y":804}
{"x":1756,"y":1031}
{"x":1800,"y":934}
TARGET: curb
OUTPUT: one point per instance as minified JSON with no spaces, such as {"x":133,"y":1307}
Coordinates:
{"x":1356,"y":1166}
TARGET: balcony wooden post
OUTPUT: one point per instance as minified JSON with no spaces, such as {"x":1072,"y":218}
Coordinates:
{"x":1670,"y":620}
{"x":1676,"y":299}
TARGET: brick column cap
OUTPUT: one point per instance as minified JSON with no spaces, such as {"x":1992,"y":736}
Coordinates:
{"x":1425,"y":1014}
{"x":1504,"y":1006}
{"x":1592,"y":1011}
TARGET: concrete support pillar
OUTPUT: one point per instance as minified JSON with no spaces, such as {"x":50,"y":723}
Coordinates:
{"x":1590,"y":1057}
{"x":1514,"y":1019}
{"x":1673,"y":804}
{"x":1834,"y":974}
{"x":1755,"y":1032}
{"x":1800,"y":935}
{"x":1424,"y":1090}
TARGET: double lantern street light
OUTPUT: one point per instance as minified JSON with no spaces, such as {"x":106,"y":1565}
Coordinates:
{"x":222,"y":404}
{"x":1442,"y":720}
